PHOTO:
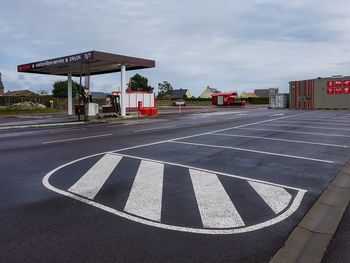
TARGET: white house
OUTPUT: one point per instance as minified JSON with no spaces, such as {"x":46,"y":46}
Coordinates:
{"x":207,"y":93}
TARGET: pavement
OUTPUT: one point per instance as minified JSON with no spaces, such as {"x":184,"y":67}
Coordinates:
{"x":238,"y":156}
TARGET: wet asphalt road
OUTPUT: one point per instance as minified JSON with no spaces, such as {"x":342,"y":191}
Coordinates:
{"x":297,"y":151}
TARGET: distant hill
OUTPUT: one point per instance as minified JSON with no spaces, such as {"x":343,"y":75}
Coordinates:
{"x":99,"y":95}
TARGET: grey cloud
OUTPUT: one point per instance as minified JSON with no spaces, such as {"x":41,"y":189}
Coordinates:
{"x":226,"y":44}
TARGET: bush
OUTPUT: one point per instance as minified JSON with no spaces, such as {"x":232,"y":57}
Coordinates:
{"x":257,"y":100}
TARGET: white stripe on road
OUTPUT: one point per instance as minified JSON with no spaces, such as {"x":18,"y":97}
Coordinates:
{"x":215,"y":206}
{"x":291,"y":209}
{"x":298,"y":132}
{"x":303,"y":126}
{"x":91,"y":182}
{"x":255,"y":151}
{"x":145,"y":198}
{"x":336,"y":119}
{"x":308,"y":122}
{"x":151,"y":129}
{"x":79,"y":138}
{"x":275,"y":197}
{"x":277,"y":139}
{"x":278,"y":114}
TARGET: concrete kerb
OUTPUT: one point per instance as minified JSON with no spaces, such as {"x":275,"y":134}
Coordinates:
{"x":69,"y":123}
{"x":309,"y":240}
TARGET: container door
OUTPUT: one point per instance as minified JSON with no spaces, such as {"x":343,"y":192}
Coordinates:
{"x":220,"y":100}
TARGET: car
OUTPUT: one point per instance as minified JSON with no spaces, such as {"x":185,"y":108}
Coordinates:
{"x":179,"y":102}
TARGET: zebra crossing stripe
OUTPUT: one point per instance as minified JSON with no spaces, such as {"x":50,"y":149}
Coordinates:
{"x":145,"y":198}
{"x":275,"y":197}
{"x":215,"y":206}
{"x":92,"y":181}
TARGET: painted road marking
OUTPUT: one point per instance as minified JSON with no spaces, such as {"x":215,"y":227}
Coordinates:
{"x":78,"y":138}
{"x":215,"y":206}
{"x":276,"y":197}
{"x":199,"y":175}
{"x":297,"y":132}
{"x":156,"y":128}
{"x":293,"y":206}
{"x":255,"y":151}
{"x":277,"y":139}
{"x":211,"y":114}
{"x":145,"y":198}
{"x":277,"y":114}
{"x":303,"y":126}
{"x":91,"y":182}
{"x":308,"y":122}
{"x":340,"y":120}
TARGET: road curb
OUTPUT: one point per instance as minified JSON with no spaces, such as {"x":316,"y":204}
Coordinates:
{"x":309,"y":240}
{"x":40,"y":125}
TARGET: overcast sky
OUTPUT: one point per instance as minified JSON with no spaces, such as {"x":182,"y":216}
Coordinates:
{"x":229,"y":45}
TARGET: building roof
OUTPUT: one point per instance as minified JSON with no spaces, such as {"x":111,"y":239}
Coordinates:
{"x":213,"y":90}
{"x":179,"y":93}
{"x":248,"y":95}
{"x":24,"y":93}
{"x":88,"y":63}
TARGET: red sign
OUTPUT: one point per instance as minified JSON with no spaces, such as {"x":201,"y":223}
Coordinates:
{"x":338,"y":83}
{"x":330,"y":91}
{"x":330,"y":84}
{"x":24,"y":67}
{"x":346,"y":83}
{"x":338,"y":90}
{"x":346,"y":90}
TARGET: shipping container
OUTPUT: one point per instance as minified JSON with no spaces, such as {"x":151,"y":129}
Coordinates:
{"x":279,"y":101}
{"x":320,"y":93}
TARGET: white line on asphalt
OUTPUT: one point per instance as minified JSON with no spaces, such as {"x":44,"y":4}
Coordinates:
{"x":340,"y":120}
{"x":308,"y":122}
{"x":145,"y":198}
{"x":298,"y":132}
{"x":275,"y":197}
{"x":254,"y":151}
{"x":277,"y":139}
{"x":195,"y":168}
{"x":23,"y":133}
{"x":278,"y":114}
{"x":293,"y":207}
{"x":40,"y":125}
{"x":201,"y":134}
{"x":92,"y":181}
{"x":156,"y":128}
{"x":303,"y":126}
{"x":215,"y":206}
{"x":242,"y":114}
{"x":78,"y":138}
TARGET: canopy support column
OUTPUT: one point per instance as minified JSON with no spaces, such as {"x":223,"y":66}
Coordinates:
{"x":122,"y":91}
{"x":70,"y":96}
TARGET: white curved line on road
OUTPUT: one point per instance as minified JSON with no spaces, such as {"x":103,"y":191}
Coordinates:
{"x":293,"y":207}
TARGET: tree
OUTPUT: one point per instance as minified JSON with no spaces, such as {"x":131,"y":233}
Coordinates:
{"x":42,"y":92}
{"x":60,"y":89}
{"x":164,"y":88}
{"x":139,"y":83}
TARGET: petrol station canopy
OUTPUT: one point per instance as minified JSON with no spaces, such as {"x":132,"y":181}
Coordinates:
{"x":87,"y":63}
